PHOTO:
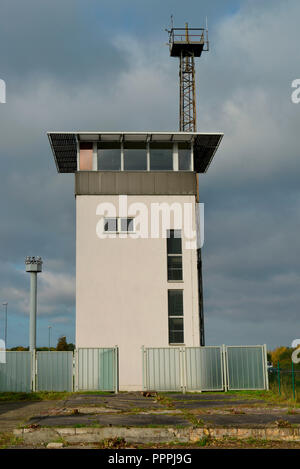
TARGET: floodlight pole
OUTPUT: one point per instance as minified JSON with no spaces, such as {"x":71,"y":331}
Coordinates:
{"x":5,"y":330}
{"x":33,"y":266}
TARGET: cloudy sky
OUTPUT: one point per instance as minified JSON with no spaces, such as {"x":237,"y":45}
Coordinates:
{"x":104,"y":65}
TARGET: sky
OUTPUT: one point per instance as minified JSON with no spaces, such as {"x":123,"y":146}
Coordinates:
{"x":104,"y":65}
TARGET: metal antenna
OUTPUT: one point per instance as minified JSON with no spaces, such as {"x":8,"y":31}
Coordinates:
{"x":187,"y":43}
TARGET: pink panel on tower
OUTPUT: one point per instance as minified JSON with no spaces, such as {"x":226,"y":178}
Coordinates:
{"x":86,"y":157}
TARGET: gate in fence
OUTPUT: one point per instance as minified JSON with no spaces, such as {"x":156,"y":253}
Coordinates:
{"x":54,"y":371}
{"x":96,"y":369}
{"x":205,"y":368}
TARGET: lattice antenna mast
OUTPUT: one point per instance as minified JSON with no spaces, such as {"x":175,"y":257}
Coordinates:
{"x":187,"y":43}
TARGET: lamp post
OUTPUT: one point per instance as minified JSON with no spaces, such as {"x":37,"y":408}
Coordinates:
{"x":33,"y":266}
{"x":5,"y":329}
{"x":49,"y":330}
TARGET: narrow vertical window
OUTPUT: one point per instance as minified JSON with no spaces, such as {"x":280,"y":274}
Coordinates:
{"x":174,"y":254}
{"x":175,"y":313}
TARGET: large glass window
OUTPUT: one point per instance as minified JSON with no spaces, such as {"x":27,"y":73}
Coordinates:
{"x":109,"y":156}
{"x":161,"y":156}
{"x":175,"y":313}
{"x":135,"y":156}
{"x":184,"y":156}
{"x":174,"y":254}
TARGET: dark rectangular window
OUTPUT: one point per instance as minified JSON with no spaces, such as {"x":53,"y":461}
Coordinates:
{"x":175,"y":314}
{"x":184,"y":156}
{"x":117,"y":225}
{"x":109,"y":156}
{"x":174,"y":254}
{"x":161,"y":156}
{"x":135,"y":156}
{"x":174,"y":267}
{"x":111,"y":224}
{"x":174,"y":242}
{"x":126,"y":224}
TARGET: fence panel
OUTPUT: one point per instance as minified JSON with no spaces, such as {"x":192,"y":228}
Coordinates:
{"x":204,"y":369}
{"x":54,"y":371}
{"x":97,"y":369}
{"x":163,"y":369}
{"x":15,"y":374}
{"x":246,"y":367}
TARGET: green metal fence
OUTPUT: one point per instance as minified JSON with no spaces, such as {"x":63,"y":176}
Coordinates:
{"x":54,"y":371}
{"x":15,"y":373}
{"x":162,"y":368}
{"x":85,"y":369}
{"x":96,"y":369}
{"x":205,"y":368}
{"x":246,"y":367}
{"x":285,"y":380}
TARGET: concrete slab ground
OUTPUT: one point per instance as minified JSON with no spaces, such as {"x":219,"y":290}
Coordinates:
{"x":168,"y":417}
{"x":13,"y":414}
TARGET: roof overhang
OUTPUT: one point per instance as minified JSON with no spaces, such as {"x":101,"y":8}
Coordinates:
{"x":65,"y":145}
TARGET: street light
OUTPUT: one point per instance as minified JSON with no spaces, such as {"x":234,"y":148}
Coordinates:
{"x":34,"y":266}
{"x":5,"y":330}
{"x":49,"y":329}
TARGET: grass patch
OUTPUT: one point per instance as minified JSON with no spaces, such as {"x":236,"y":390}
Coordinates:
{"x":7,"y":440}
{"x":32,"y":396}
{"x":43,"y":395}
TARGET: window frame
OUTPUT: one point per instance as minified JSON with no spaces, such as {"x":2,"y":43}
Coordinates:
{"x":181,"y":317}
{"x":171,"y":254}
{"x":119,"y":225}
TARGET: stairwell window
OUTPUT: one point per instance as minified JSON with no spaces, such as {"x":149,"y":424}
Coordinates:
{"x":175,"y":313}
{"x":174,"y":254}
{"x":119,"y":225}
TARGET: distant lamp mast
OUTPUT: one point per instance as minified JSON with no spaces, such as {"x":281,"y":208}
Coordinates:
{"x":49,"y":337}
{"x":5,"y":327}
{"x":33,"y":266}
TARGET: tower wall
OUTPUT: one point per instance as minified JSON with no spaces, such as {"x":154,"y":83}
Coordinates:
{"x":122,"y":284}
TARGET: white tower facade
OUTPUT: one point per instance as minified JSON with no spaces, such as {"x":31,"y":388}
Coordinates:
{"x":137,"y":234}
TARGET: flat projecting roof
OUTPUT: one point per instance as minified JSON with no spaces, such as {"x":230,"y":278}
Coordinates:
{"x":65,"y":144}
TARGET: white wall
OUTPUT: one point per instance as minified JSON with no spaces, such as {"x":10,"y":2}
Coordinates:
{"x":122,"y":288}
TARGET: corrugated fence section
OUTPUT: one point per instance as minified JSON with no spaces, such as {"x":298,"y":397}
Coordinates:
{"x":97,"y":369}
{"x":54,"y":371}
{"x":15,"y":374}
{"x":246,"y":367}
{"x":163,"y":369}
{"x":205,"y":368}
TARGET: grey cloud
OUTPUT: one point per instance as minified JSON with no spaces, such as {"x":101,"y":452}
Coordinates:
{"x":251,"y":191}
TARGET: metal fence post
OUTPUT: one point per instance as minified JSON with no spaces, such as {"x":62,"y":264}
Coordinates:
{"x":184,"y":371}
{"x":116,"y":369}
{"x":278,"y":377}
{"x":143,"y":367}
{"x":224,"y":367}
{"x":266,"y":367}
{"x":293,"y":380}
{"x":76,"y":379}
